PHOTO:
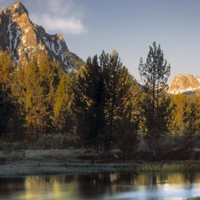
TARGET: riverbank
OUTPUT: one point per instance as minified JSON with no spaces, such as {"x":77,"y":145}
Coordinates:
{"x":51,"y":162}
{"x":73,"y":161}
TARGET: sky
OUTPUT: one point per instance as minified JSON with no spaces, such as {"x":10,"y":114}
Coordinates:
{"x":127,"y":26}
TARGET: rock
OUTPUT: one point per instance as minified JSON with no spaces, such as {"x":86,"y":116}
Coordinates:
{"x":24,"y":39}
{"x":184,"y":83}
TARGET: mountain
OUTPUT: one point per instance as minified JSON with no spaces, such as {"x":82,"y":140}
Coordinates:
{"x":184,"y":83}
{"x":23,"y":39}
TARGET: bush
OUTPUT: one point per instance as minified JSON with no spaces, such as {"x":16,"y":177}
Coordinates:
{"x":56,"y":141}
{"x":8,"y":147}
{"x":170,"y":147}
{"x":142,"y":144}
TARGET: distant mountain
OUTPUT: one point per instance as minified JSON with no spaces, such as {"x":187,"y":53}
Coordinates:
{"x":22,"y":38}
{"x":184,"y":83}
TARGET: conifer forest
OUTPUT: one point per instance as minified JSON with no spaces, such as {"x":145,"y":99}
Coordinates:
{"x":101,"y":106}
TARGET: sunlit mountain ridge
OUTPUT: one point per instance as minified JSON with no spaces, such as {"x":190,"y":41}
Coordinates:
{"x":24,"y":39}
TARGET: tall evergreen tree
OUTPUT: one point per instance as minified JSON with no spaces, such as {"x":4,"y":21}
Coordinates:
{"x":34,"y":88}
{"x":50,"y":75}
{"x":102,"y":100}
{"x":6,"y":106}
{"x":126,"y":131}
{"x":189,"y":129}
{"x":88,"y":102}
{"x":196,"y":102}
{"x":178,"y":104}
{"x":63,"y":117}
{"x":117,"y":96}
{"x":19,"y":89}
{"x":35,"y":111}
{"x":154,"y":74}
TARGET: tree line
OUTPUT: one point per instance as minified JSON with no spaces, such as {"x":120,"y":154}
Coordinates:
{"x":102,"y":103}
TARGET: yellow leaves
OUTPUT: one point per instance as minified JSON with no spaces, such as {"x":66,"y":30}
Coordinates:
{"x":63,"y":101}
{"x":6,"y":70}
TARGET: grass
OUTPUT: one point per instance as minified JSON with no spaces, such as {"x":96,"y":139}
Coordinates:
{"x":39,"y":162}
{"x":181,"y":166}
{"x":40,"y":154}
{"x":193,"y":198}
{"x":54,"y":161}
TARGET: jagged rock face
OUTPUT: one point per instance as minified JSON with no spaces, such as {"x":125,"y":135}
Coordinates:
{"x":183,"y":83}
{"x":198,"y":78}
{"x":23,"y":38}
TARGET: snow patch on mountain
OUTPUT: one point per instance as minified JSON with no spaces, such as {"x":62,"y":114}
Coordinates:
{"x":10,"y":32}
{"x":180,"y":90}
{"x":18,"y":33}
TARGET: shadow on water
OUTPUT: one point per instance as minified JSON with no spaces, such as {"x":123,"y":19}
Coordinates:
{"x":102,"y":186}
{"x":8,"y":185}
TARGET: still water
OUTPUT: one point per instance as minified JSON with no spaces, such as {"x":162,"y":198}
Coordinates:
{"x":103,"y":186}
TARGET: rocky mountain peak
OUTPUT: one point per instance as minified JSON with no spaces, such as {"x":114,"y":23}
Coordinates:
{"x":15,"y":10}
{"x":23,"y":39}
{"x":183,"y":83}
{"x":60,"y":36}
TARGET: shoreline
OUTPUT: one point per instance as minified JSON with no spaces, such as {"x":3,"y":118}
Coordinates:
{"x":66,"y":162}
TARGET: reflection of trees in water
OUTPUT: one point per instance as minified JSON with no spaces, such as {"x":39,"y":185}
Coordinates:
{"x":104,"y":183}
{"x":162,"y":177}
{"x":47,"y":179}
{"x":146,"y":179}
{"x":108,"y":178}
{"x":94,"y":184}
{"x":69,"y":179}
{"x":154,"y":182}
{"x":57,"y":184}
{"x":10,"y":184}
{"x":189,"y":179}
{"x":131,"y":179}
{"x":127,"y":178}
{"x":96,"y":178}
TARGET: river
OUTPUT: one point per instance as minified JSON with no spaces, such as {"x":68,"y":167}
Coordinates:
{"x":102,"y":186}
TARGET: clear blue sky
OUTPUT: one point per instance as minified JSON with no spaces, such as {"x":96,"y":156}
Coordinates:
{"x":128,"y":26}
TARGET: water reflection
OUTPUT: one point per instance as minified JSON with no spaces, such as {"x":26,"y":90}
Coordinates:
{"x":102,"y":186}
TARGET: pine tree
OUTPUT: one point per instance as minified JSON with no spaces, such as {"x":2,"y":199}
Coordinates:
{"x":50,"y":75}
{"x":6,"y":70}
{"x":196,"y":102}
{"x":63,"y":117}
{"x":189,"y":129}
{"x":117,"y":94}
{"x":35,"y":111}
{"x":178,"y":104}
{"x":88,"y":102}
{"x":19,"y":88}
{"x":103,"y":101}
{"x":37,"y":93}
{"x":7,"y":108}
{"x":154,"y":74}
